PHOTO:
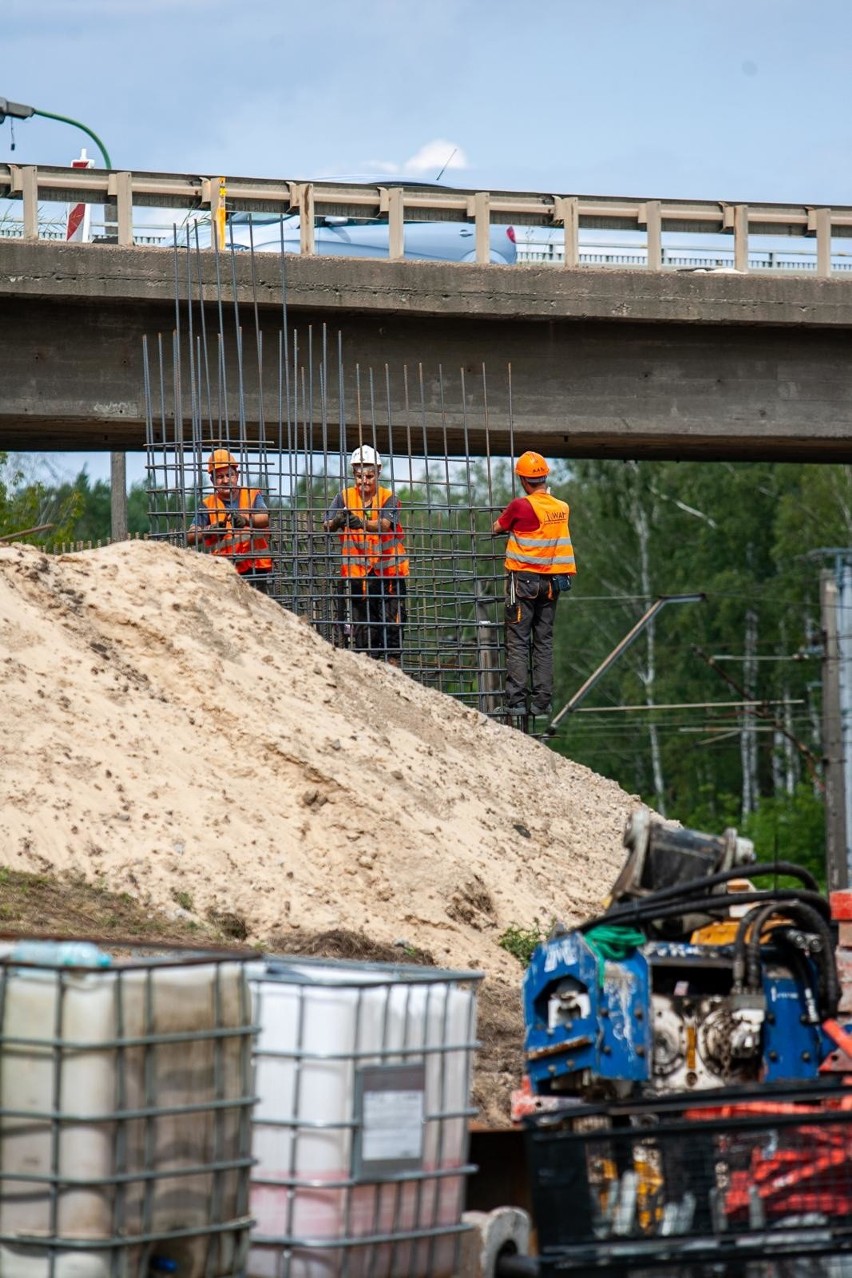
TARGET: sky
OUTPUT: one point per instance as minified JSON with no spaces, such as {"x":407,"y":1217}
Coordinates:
{"x":735,"y":100}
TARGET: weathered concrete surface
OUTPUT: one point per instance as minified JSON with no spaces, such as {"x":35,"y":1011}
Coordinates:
{"x":603,"y":363}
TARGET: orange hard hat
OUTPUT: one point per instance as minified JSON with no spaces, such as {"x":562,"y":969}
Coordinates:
{"x":221,"y":459}
{"x":531,"y":466}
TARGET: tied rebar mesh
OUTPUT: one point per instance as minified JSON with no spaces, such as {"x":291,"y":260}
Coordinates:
{"x":291,"y":408}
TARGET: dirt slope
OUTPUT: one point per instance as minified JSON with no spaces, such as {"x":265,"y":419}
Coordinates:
{"x":169,"y":733}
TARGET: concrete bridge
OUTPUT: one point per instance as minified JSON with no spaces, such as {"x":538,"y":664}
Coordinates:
{"x":604,"y":362}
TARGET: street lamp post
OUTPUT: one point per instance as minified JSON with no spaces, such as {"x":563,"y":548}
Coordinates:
{"x":118,"y":461}
{"x":18,"y":111}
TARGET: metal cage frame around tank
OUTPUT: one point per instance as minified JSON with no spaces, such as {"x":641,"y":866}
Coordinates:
{"x":406,"y":1250}
{"x":226,"y":1110}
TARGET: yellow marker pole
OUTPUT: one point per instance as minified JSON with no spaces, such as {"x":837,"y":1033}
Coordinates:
{"x":220,"y":216}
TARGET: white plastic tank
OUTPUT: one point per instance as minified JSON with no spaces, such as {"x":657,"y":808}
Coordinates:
{"x":125,"y":1106}
{"x":361,"y":1127}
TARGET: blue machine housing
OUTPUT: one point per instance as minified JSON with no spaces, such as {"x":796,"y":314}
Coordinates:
{"x":589,"y":1018}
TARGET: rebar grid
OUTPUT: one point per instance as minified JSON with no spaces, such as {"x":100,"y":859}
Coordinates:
{"x":291,"y":409}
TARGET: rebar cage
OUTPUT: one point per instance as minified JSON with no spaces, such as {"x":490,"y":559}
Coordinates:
{"x":291,"y":407}
{"x":731,"y":1183}
{"x":126,"y":1094}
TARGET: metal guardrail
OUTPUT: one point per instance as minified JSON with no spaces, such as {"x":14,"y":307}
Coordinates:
{"x":125,"y":192}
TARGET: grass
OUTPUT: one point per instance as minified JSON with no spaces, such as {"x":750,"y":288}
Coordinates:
{"x":521,"y":941}
{"x":68,"y":905}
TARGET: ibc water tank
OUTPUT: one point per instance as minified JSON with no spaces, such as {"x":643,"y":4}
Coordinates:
{"x":125,"y":1106}
{"x":361,"y":1128}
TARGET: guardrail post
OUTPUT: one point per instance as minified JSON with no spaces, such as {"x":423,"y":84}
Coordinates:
{"x":819,"y":220}
{"x":651,"y":215}
{"x":305,"y":199}
{"x":482,"y":218}
{"x":25,"y":180}
{"x":120,"y":185}
{"x":741,"y":237}
{"x":395,"y":198}
{"x":566,"y":211}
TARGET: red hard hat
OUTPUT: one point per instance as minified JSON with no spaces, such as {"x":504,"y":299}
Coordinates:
{"x":531,"y":466}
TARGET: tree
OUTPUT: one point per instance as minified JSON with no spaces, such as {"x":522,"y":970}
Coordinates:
{"x":27,"y":503}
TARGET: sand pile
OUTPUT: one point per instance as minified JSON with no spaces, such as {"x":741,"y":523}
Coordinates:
{"x":170,"y":733}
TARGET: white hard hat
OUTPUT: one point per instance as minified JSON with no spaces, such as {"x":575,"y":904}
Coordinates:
{"x":365,"y":456}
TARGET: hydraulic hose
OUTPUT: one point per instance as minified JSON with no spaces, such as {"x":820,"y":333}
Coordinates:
{"x":685,"y":890}
{"x":829,"y":985}
{"x":650,"y":908}
{"x":756,"y":920}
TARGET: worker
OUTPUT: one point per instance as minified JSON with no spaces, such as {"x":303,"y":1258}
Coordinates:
{"x":373,"y":557}
{"x":226,"y":521}
{"x":539,"y":566}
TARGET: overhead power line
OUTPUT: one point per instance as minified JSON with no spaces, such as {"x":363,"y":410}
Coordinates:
{"x":693,"y":705}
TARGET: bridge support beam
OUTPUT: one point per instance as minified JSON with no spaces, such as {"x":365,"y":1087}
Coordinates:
{"x":603,"y":363}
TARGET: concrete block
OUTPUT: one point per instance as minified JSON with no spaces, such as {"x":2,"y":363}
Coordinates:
{"x":491,"y":1234}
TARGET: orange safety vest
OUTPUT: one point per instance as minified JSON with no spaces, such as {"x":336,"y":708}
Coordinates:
{"x":249,"y":550}
{"x":548,"y":549}
{"x":379,"y":554}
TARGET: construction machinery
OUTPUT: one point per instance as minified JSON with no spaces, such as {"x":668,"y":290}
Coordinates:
{"x":687,"y":1103}
{"x":694,"y":977}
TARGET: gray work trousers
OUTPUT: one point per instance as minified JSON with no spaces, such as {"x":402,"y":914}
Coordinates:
{"x":531,"y":599}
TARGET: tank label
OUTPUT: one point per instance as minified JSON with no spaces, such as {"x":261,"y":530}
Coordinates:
{"x":390,"y":1109}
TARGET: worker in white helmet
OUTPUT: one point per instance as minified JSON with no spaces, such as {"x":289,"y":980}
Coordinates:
{"x":373,"y":558}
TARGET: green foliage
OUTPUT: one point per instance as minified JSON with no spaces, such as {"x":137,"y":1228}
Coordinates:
{"x":93,"y":509}
{"x":749,"y":537}
{"x":27,"y":502}
{"x":521,"y":941}
{"x":790,"y":827}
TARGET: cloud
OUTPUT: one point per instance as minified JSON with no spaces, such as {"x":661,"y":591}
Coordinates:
{"x":437,"y":155}
{"x":432,"y":158}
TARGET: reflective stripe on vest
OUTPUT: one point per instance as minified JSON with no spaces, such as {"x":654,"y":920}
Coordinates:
{"x":382,"y":554}
{"x":249,"y":553}
{"x":548,"y":548}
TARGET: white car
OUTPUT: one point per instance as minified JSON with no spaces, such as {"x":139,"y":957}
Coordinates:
{"x":369,"y":237}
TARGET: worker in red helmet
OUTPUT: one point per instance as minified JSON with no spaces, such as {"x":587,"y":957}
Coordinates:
{"x":232,"y":521}
{"x":539,"y":567}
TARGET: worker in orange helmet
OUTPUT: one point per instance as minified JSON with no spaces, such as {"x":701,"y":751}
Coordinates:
{"x":539,"y":567}
{"x":232,"y":520}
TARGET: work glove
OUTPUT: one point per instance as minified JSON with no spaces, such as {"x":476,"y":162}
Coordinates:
{"x":337,"y":522}
{"x":355,"y":522}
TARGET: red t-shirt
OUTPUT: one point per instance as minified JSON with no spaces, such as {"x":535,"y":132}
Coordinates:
{"x":520,"y":515}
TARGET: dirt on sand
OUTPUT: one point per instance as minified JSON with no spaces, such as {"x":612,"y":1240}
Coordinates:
{"x":185,"y":749}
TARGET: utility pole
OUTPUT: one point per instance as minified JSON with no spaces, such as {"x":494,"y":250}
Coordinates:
{"x":836,"y":607}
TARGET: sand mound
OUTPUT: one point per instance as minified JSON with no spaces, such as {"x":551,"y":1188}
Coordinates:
{"x":170,"y":733}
